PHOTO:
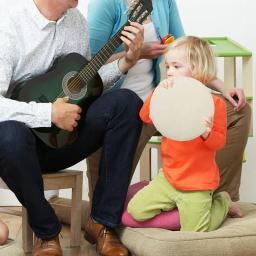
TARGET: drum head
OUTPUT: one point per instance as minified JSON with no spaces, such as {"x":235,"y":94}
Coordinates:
{"x":178,"y":112}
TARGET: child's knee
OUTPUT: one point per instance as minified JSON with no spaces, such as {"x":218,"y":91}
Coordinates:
{"x":135,"y":211}
{"x":4,"y":233}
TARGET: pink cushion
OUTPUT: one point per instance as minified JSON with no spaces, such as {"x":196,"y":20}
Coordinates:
{"x":167,"y":220}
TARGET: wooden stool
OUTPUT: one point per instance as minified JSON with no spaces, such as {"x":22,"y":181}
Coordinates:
{"x":145,"y":160}
{"x":54,"y":181}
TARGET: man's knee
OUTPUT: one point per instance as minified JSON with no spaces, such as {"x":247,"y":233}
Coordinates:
{"x":136,"y":211}
{"x":128,"y":99}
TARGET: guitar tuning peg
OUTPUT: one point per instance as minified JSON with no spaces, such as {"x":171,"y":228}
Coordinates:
{"x":131,"y":5}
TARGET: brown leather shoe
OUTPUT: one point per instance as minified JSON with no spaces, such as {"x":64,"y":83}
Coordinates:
{"x":47,"y":248}
{"x":107,"y":242}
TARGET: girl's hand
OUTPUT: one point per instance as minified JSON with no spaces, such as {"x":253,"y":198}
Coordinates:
{"x":208,"y":124}
{"x":167,"y":83}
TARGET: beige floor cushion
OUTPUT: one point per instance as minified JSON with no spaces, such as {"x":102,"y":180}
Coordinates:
{"x":236,"y":237}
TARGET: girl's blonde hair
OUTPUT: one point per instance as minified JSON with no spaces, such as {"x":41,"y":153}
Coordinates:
{"x":200,"y":57}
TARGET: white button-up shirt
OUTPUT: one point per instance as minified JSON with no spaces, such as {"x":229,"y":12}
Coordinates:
{"x":29,"y":44}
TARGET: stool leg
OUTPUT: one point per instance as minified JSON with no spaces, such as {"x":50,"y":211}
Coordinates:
{"x":27,"y":233}
{"x":145,"y":164}
{"x":76,"y":212}
{"x":159,"y":158}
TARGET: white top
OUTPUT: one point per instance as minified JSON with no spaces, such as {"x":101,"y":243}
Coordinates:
{"x":141,"y":76}
{"x":29,"y":44}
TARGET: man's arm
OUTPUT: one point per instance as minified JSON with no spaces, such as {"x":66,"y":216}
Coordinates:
{"x":32,"y":114}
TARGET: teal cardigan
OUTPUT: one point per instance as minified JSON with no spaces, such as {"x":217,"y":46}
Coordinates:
{"x":105,"y":18}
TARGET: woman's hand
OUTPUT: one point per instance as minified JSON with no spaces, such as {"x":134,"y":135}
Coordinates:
{"x":236,"y":97}
{"x":152,"y":50}
{"x":133,"y":37}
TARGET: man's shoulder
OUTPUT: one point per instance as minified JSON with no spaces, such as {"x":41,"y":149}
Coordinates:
{"x":10,"y":7}
{"x":75,"y":14}
{"x":10,"y":11}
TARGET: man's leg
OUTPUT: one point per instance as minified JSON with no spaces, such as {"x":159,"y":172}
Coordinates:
{"x":122,"y":124}
{"x":20,"y":169}
{"x":120,"y":141}
{"x":229,"y":159}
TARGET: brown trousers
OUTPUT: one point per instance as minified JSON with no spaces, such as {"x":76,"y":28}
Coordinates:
{"x":229,"y":159}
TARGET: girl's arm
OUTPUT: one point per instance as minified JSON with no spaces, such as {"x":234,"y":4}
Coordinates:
{"x":217,"y":137}
{"x":144,"y":112}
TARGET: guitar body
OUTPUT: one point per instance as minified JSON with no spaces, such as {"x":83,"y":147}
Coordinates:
{"x":73,"y":76}
{"x":60,"y":81}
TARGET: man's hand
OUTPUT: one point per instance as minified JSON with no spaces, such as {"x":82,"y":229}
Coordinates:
{"x":152,"y":50}
{"x":133,"y":37}
{"x":65,"y":115}
{"x":236,"y":97}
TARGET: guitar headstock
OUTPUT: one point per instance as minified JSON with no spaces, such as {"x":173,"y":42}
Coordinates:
{"x":140,"y":10}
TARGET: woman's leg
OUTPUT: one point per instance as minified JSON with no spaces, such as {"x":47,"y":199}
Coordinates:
{"x":229,"y":159}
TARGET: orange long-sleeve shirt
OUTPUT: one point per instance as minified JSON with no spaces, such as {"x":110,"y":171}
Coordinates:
{"x":190,"y":165}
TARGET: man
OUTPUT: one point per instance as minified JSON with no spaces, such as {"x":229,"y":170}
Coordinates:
{"x":32,"y":34}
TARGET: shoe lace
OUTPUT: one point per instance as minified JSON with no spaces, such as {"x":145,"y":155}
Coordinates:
{"x":42,"y":243}
{"x":104,"y":231}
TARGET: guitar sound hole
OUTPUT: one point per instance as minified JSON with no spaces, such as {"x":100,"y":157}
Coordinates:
{"x":74,"y":85}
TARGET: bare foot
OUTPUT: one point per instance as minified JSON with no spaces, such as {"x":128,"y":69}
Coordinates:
{"x":234,"y":211}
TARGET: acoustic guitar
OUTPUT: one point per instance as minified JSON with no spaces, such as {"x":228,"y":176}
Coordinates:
{"x":73,"y":76}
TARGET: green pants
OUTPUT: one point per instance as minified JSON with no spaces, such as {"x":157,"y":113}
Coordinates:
{"x":199,"y":210}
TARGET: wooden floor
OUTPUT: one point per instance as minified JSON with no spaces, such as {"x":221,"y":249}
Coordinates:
{"x":14,"y":245}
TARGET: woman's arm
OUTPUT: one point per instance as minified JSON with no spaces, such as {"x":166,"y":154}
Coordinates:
{"x":101,"y":21}
{"x":235,"y":95}
{"x":175,"y":24}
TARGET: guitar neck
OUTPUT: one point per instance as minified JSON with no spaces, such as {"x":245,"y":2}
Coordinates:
{"x":90,"y":70}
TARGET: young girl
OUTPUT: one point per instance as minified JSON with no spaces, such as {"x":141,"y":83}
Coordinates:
{"x":4,"y":232}
{"x":190,"y":174}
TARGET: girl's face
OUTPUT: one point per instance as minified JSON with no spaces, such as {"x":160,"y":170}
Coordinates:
{"x":177,"y":64}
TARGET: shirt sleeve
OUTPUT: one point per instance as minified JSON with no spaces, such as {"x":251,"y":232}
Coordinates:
{"x":32,"y":114}
{"x":217,"y":137}
{"x":144,"y":112}
{"x":101,"y":21}
{"x":175,"y":25}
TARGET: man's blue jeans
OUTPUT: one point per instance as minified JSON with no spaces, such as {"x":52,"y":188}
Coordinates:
{"x":111,"y":122}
